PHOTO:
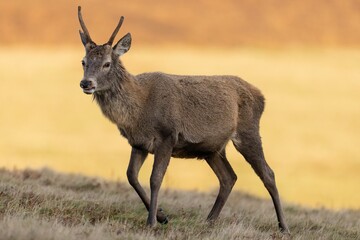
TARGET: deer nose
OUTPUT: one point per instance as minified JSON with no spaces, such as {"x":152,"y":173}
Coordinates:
{"x":85,"y":83}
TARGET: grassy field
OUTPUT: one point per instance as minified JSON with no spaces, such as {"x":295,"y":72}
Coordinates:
{"x":310,"y":127}
{"x":47,"y":205}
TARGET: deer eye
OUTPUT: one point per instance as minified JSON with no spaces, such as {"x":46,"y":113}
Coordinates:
{"x":83,"y":63}
{"x":106,"y":65}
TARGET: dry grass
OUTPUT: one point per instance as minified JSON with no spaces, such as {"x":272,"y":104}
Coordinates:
{"x":47,"y":205}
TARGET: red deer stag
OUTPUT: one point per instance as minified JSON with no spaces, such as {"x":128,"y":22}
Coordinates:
{"x":177,"y":116}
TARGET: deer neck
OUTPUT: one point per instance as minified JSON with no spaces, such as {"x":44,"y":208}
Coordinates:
{"x":123,"y":101}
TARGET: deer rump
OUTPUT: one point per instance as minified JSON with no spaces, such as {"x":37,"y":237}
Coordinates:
{"x":200,"y":113}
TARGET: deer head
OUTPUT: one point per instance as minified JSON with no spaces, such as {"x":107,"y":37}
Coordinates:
{"x":100,"y":61}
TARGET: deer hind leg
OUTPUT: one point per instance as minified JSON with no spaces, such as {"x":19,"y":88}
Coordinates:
{"x":249,"y":145}
{"x":136,"y":161}
{"x":227,"y":178}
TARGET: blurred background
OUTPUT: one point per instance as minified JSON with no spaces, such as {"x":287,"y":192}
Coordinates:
{"x":303,"y":55}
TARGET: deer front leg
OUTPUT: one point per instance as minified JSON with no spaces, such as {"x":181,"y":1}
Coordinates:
{"x":136,"y":161}
{"x":161,"y":161}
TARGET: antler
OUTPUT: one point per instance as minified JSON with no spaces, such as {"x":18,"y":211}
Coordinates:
{"x":111,"y":40}
{"x":86,"y":32}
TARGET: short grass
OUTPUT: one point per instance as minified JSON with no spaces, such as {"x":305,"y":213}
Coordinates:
{"x":48,"y":205}
{"x":310,"y":127}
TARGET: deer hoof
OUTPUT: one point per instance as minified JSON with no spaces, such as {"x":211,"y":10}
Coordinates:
{"x":166,"y":221}
{"x":285,"y":231}
{"x":161,"y":217}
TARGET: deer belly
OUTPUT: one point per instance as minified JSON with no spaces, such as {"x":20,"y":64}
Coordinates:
{"x":195,"y":150}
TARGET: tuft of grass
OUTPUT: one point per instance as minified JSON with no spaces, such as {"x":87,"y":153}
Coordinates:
{"x":47,"y":205}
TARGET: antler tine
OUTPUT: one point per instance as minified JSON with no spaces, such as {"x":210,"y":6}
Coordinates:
{"x":86,"y":32}
{"x":111,"y":40}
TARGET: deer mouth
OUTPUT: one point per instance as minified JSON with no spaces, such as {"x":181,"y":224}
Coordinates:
{"x":90,"y":90}
{"x":88,"y":86}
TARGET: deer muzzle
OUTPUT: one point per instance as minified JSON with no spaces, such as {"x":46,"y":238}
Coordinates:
{"x":88,"y":86}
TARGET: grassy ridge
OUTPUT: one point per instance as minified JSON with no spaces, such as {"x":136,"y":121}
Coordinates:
{"x":247,"y":22}
{"x":48,"y":205}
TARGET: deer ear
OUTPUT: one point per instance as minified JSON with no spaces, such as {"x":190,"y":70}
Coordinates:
{"x":123,"y":45}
